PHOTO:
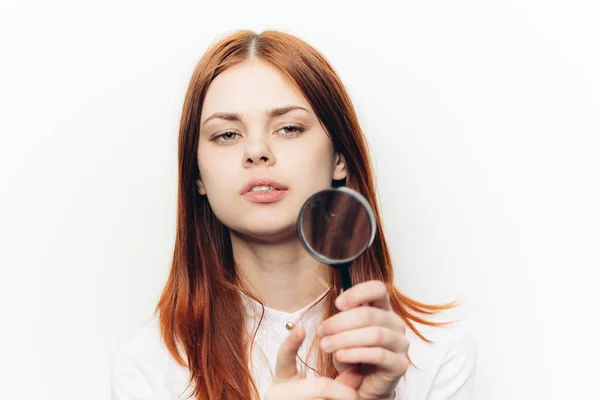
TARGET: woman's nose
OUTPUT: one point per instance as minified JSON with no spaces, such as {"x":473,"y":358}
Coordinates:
{"x":257,"y":152}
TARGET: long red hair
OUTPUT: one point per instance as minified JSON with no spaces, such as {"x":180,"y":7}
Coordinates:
{"x":201,"y":313}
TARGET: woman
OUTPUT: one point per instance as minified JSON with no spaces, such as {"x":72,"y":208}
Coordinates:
{"x":266,"y":122}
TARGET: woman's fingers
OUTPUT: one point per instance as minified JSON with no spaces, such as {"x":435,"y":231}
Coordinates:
{"x":288,"y":385}
{"x":372,"y":292}
{"x":351,"y":377}
{"x":360,"y":317}
{"x":285,"y":368}
{"x":384,"y":359}
{"x":371,"y":336}
{"x":312,"y":389}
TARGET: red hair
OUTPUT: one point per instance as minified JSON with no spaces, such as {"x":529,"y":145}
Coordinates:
{"x":200,"y":309}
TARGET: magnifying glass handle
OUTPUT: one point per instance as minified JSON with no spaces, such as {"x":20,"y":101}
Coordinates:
{"x":347,"y":284}
{"x":346,"y":278}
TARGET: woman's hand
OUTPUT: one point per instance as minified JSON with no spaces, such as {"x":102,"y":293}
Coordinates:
{"x":373,"y":334}
{"x":288,"y":384}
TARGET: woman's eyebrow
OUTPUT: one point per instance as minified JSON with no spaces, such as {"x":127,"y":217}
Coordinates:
{"x":271,"y":113}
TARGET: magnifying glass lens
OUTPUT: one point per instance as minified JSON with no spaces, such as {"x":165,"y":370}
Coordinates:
{"x":336,"y":225}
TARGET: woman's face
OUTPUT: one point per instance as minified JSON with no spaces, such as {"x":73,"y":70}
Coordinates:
{"x":265,"y":130}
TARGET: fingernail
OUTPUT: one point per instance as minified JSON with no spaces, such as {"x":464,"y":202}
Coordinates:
{"x":325,"y":344}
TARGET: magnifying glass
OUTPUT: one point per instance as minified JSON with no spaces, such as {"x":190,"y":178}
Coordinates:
{"x":336,"y":226}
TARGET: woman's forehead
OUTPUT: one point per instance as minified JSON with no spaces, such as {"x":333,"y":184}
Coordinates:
{"x":252,"y":87}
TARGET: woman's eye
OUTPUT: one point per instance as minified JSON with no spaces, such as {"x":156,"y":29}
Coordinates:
{"x":228,"y":136}
{"x":291,"y":130}
{"x":231,"y":136}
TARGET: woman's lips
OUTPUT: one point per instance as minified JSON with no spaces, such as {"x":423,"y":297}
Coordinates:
{"x":266,"y":197}
{"x":261,"y":182}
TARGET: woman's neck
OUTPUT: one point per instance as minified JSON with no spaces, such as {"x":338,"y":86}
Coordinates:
{"x":283,"y":275}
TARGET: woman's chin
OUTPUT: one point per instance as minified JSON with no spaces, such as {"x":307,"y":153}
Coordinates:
{"x":274,"y":232}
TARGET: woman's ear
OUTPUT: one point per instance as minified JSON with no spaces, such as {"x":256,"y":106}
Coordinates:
{"x":340,"y":171}
{"x":201,"y":188}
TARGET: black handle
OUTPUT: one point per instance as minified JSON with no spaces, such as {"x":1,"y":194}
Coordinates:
{"x":346,"y":278}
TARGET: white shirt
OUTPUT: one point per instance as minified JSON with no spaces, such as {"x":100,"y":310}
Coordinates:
{"x":143,"y":369}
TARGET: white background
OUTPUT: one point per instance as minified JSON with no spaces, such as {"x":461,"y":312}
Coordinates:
{"x":483,"y":123}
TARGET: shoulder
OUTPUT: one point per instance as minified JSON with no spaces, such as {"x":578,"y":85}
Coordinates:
{"x":141,"y":366}
{"x":445,"y":340}
{"x":446,"y":366}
